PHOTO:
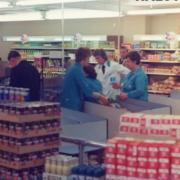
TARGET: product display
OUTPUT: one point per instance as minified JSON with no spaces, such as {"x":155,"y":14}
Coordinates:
{"x":12,"y":94}
{"x":161,"y":63}
{"x":29,"y":132}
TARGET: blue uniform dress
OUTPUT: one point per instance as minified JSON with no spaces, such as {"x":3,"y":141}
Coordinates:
{"x":95,"y":85}
{"x":75,"y":87}
{"x":136,"y":85}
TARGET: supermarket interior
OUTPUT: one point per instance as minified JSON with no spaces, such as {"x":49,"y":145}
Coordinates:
{"x":89,"y":89}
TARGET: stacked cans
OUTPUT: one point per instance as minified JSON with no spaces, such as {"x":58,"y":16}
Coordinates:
{"x":130,"y":159}
{"x":12,"y":94}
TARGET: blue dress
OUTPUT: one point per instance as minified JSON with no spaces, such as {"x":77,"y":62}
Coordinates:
{"x":75,"y":87}
{"x":96,"y":86}
{"x":136,"y":85}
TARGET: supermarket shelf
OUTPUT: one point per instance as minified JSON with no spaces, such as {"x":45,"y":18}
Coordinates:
{"x":30,"y":148}
{"x":165,"y":62}
{"x":21,"y":165}
{"x":32,"y":133}
{"x":56,"y":49}
{"x":156,"y":49}
{"x":28,"y":118}
{"x":158,"y":92}
{"x":162,"y":74}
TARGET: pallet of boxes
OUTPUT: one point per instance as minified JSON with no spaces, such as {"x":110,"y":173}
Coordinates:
{"x":29,"y":132}
{"x":147,"y":148}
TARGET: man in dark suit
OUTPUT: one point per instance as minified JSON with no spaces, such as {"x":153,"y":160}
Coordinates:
{"x":24,"y":75}
{"x":123,"y":53}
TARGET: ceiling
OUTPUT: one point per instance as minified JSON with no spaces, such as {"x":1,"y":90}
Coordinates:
{"x":45,"y":9}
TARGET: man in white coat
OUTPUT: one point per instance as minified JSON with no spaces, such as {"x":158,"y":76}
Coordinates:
{"x":109,"y":73}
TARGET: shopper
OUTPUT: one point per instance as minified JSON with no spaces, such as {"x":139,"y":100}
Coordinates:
{"x":24,"y":75}
{"x":123,"y":54}
{"x":109,"y":73}
{"x":94,"y":84}
{"x":76,"y":86}
{"x":135,"y":84}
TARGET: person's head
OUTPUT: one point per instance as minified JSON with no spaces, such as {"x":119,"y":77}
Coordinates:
{"x":100,"y":55}
{"x":14,"y":58}
{"x":133,"y":60}
{"x":90,"y":72}
{"x":123,"y":52}
{"x":82,"y":56}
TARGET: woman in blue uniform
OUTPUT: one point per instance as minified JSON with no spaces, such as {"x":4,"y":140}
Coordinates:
{"x":94,"y":84}
{"x":135,"y":85}
{"x":75,"y":86}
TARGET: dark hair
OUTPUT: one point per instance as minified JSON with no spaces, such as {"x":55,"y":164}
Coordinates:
{"x":135,"y":57}
{"x":90,"y":71}
{"x":101,"y":53}
{"x":82,"y":53}
{"x":13,"y":54}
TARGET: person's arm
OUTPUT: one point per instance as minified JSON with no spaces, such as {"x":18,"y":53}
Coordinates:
{"x":140,"y":83}
{"x":122,"y":70}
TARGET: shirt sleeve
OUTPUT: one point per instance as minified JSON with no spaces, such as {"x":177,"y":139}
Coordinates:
{"x":83,"y":84}
{"x":122,"y":70}
{"x":140,"y":86}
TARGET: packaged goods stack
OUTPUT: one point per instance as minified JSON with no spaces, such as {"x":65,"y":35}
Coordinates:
{"x":145,"y":149}
{"x":29,"y":132}
{"x":68,"y":168}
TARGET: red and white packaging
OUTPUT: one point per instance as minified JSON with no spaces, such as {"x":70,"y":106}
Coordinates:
{"x":112,"y":146}
{"x":153,"y":163}
{"x":111,"y":169}
{"x":153,"y":150}
{"x":122,"y":147}
{"x":164,"y":174}
{"x":110,"y":159}
{"x":143,"y":150}
{"x":144,"y":131}
{"x":122,"y":170}
{"x":165,"y":150}
{"x":132,"y":172}
{"x":143,"y":162}
{"x":132,"y":162}
{"x":121,"y":159}
{"x":123,"y":129}
{"x":175,"y":150}
{"x":152,"y":174}
{"x":142,"y":173}
{"x":132,"y":149}
{"x":175,"y":163}
{"x":164,"y":163}
{"x":175,"y":174}
{"x":111,"y":177}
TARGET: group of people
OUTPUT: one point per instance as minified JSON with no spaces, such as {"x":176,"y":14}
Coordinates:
{"x":108,"y":80}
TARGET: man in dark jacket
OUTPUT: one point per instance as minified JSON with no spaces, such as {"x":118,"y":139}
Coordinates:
{"x":24,"y":75}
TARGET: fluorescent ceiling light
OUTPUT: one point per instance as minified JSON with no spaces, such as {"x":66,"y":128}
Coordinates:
{"x":4,"y":4}
{"x":80,"y":14}
{"x":154,"y":11}
{"x":44,"y":2}
{"x":29,"y":16}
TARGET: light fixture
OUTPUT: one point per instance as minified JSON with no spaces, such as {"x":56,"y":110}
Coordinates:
{"x":153,"y":11}
{"x":4,"y":4}
{"x":44,"y":2}
{"x":29,"y":16}
{"x":80,"y":14}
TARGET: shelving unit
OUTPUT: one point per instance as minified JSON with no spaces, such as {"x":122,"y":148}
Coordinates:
{"x":29,"y":133}
{"x":160,"y":61}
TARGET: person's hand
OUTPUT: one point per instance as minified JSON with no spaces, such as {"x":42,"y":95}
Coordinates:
{"x":116,"y":85}
{"x":103,"y":100}
{"x":123,"y":96}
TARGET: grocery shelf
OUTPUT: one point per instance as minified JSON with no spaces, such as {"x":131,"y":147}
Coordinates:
{"x":28,"y":118}
{"x":32,"y":133}
{"x":21,"y":165}
{"x":161,"y":74}
{"x":165,"y":62}
{"x":156,"y":49}
{"x":30,"y":148}
{"x":158,"y":92}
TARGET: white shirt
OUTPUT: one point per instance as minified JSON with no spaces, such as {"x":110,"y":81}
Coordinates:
{"x":114,"y":73}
